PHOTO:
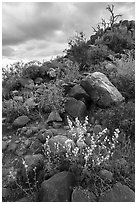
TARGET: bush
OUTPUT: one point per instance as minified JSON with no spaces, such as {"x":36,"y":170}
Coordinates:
{"x":125,"y":77}
{"x":97,"y":54}
{"x":78,"y":50}
{"x":52,"y":96}
{"x":116,"y":41}
{"x":13,"y":109}
{"x":121,"y":116}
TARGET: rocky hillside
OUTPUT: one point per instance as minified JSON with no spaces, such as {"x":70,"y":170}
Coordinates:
{"x":68,"y":125}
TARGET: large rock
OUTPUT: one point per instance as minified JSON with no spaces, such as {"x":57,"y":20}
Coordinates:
{"x":54,"y":116}
{"x":58,"y":188}
{"x":60,"y":144}
{"x":83,"y":195}
{"x":21,"y":121}
{"x":101,"y":91}
{"x":119,"y":193}
{"x":78,"y":93}
{"x":27,"y":83}
{"x":75,"y":108}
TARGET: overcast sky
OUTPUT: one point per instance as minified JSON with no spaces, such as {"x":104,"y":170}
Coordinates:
{"x":36,"y":31}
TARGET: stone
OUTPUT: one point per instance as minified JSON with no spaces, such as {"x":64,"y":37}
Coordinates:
{"x":4,"y":145}
{"x":97,"y":129}
{"x":21,"y":121}
{"x":78,"y":93}
{"x":6,"y":193}
{"x":18,"y":98}
{"x":67,"y":86}
{"x":12,"y":147}
{"x":28,"y":133}
{"x":54,"y":116}
{"x":82,"y":195}
{"x":27,"y":83}
{"x":60,"y":144}
{"x":101,"y":91}
{"x":75,"y":108}
{"x":81,"y":144}
{"x":4,"y":138}
{"x":118,"y":193}
{"x":30,"y":103}
{"x":38,"y":80}
{"x":106,"y":175}
{"x":27,"y":143}
{"x":56,"y":125}
{"x":36,"y":147}
{"x":42,"y":136}
{"x":58,"y":188}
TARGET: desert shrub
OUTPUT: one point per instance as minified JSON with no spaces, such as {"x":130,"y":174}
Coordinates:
{"x":52,"y":96}
{"x":125,"y":77}
{"x":12,"y":109}
{"x":116,"y":41}
{"x":31,"y":72}
{"x":121,"y":116}
{"x":97,"y":54}
{"x":82,"y":159}
{"x":77,"y":50}
{"x":14,"y":70}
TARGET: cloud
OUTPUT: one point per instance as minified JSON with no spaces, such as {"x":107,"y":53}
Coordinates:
{"x":34,"y":29}
{"x":7,"y":51}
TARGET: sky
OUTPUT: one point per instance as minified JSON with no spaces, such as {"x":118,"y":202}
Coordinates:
{"x":41,"y":30}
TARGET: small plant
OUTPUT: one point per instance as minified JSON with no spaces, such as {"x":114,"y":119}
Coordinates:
{"x":82,"y":158}
{"x":53,"y":96}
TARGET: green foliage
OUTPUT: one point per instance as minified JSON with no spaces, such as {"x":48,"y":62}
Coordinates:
{"x":121,"y":116}
{"x":116,"y":41}
{"x":78,"y":50}
{"x":12,"y":109}
{"x":52,"y":96}
{"x":14,"y":70}
{"x":97,"y":54}
{"x":125,"y":77}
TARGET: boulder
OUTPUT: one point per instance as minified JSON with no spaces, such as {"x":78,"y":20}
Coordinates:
{"x":38,"y":80}
{"x":21,"y":121}
{"x":54,"y":116}
{"x":27,"y":83}
{"x":75,"y":108}
{"x":78,"y":93}
{"x":4,"y":145}
{"x":67,"y":86}
{"x":58,"y":188}
{"x":101,"y":91}
{"x":59,"y":144}
{"x":106,"y":175}
{"x":30,"y":103}
{"x":119,"y":193}
{"x":82,"y":195}
{"x":18,"y":98}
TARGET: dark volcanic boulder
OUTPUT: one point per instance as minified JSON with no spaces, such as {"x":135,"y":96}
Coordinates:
{"x":54,"y":116}
{"x":21,"y":121}
{"x":83,"y":195}
{"x":101,"y":91}
{"x":119,"y":193}
{"x":58,"y":188}
{"x":75,"y":108}
{"x":78,"y":92}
